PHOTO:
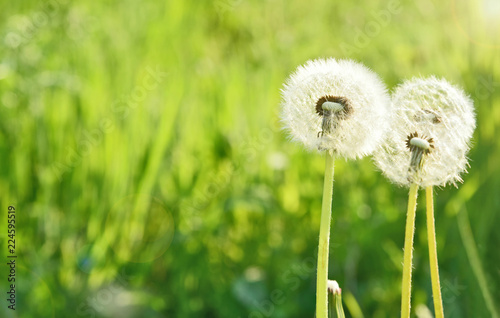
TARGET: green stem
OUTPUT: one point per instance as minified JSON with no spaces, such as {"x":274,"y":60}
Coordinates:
{"x":324,"y":239}
{"x":408,"y":251}
{"x":433,"y":260}
{"x":338,"y":305}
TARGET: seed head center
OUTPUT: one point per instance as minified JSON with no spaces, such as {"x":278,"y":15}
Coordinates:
{"x":332,"y":110}
{"x":419,"y":146}
{"x":332,"y":107}
{"x":338,"y":106}
{"x":420,"y":143}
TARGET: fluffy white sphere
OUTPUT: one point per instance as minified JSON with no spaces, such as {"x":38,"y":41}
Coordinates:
{"x":353,"y":132}
{"x":437,"y":112}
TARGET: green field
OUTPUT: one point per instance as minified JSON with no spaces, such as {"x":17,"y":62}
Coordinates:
{"x":141,"y":146}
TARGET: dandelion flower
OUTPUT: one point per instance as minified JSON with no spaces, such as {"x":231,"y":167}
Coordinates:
{"x":342,"y":107}
{"x":427,"y":146}
{"x":433,"y":122}
{"x":336,"y":105}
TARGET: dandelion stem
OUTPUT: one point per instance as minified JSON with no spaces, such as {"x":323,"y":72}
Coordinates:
{"x":324,"y":239}
{"x":408,"y":251}
{"x":338,"y":305}
{"x":433,"y":260}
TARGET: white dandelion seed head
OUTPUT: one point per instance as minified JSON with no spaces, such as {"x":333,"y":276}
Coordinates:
{"x":336,"y":105}
{"x":437,"y":118}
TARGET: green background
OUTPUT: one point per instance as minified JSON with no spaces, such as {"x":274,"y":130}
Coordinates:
{"x":140,"y":143}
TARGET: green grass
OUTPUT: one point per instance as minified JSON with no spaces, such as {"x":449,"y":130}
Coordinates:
{"x":222,"y":227}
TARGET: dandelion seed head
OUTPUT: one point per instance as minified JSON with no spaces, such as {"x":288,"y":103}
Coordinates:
{"x":333,"y":287}
{"x":428,"y":142}
{"x":336,"y":105}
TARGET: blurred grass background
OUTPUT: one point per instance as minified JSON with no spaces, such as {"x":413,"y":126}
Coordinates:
{"x":140,"y":143}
